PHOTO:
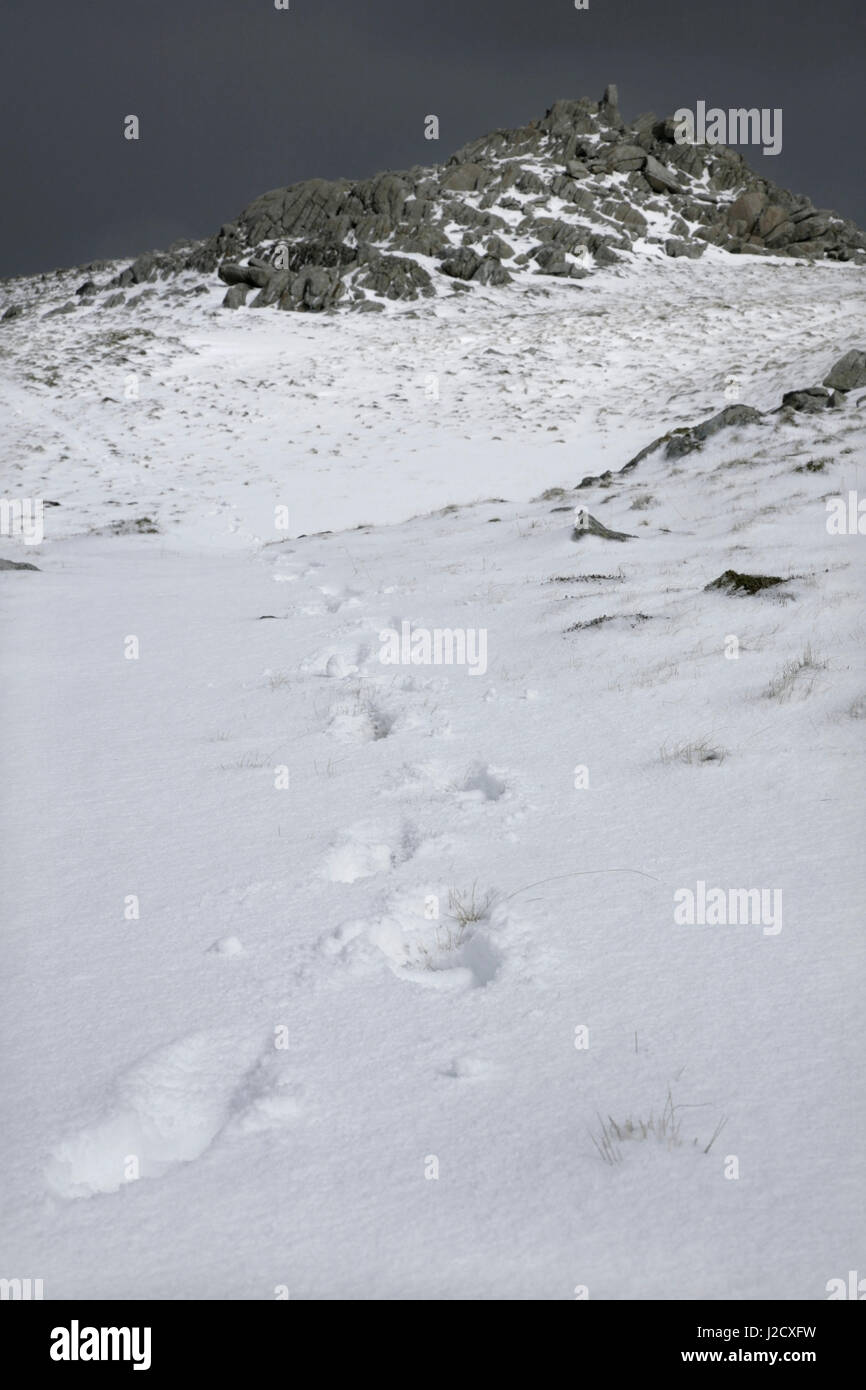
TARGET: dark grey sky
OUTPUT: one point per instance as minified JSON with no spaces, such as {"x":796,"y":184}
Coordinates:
{"x":236,"y":97}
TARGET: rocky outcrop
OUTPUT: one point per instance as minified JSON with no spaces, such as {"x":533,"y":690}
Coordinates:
{"x":561,"y":197}
{"x":683,"y":440}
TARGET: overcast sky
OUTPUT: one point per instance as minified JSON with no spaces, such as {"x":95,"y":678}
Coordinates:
{"x":235,"y":97}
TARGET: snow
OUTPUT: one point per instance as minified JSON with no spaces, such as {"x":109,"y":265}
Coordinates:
{"x":338,"y":1042}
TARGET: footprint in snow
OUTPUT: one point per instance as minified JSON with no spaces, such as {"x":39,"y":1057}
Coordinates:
{"x":449,"y":950}
{"x":368,"y":849}
{"x":169,"y":1107}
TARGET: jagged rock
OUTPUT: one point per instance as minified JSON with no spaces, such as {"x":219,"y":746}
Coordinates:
{"x":692,"y":249}
{"x":848,"y":373}
{"x":660,"y":179}
{"x":422,"y":241}
{"x":462,"y":265}
{"x":236,"y":296}
{"x":313,"y":289}
{"x":13,"y":312}
{"x":575,"y":169}
{"x":530,"y":182}
{"x":491,"y":272}
{"x":396,"y":277}
{"x":551,"y":260}
{"x":114,"y":301}
{"x":608,"y":109}
{"x":273,"y":292}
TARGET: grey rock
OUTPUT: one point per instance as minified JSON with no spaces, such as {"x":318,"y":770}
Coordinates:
{"x":491,"y":272}
{"x":466,"y":178}
{"x":499,"y":248}
{"x":13,"y":312}
{"x":396,"y":277}
{"x":462,"y":265}
{"x":312,"y":290}
{"x":249,"y":275}
{"x":274,"y":290}
{"x":622,"y":157}
{"x":692,"y":249}
{"x":849,"y":372}
{"x":810,"y":400}
{"x":779,"y":235}
{"x":530,"y":182}
{"x":685,"y":441}
{"x":551,"y":260}
{"x":235,"y":296}
{"x":660,"y":179}
{"x":745,"y":210}
{"x":632,"y":219}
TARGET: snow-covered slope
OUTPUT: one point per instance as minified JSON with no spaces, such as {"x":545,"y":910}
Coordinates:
{"x":323,"y":1085}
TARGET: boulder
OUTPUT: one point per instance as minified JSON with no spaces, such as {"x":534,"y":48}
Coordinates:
{"x":745,"y":211}
{"x":660,"y":179}
{"x":235,"y":296}
{"x":848,"y":373}
{"x":313,"y":289}
{"x":621,"y":158}
{"x":462,"y":265}
{"x":693,"y":250}
{"x":499,"y":248}
{"x":551,"y":260}
{"x":396,"y":277}
{"x":249,"y":275}
{"x":491,"y":272}
{"x":810,"y":400}
{"x":466,"y":178}
{"x":770,"y":219}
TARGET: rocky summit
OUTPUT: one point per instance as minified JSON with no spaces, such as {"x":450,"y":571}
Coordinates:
{"x":563,"y":196}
